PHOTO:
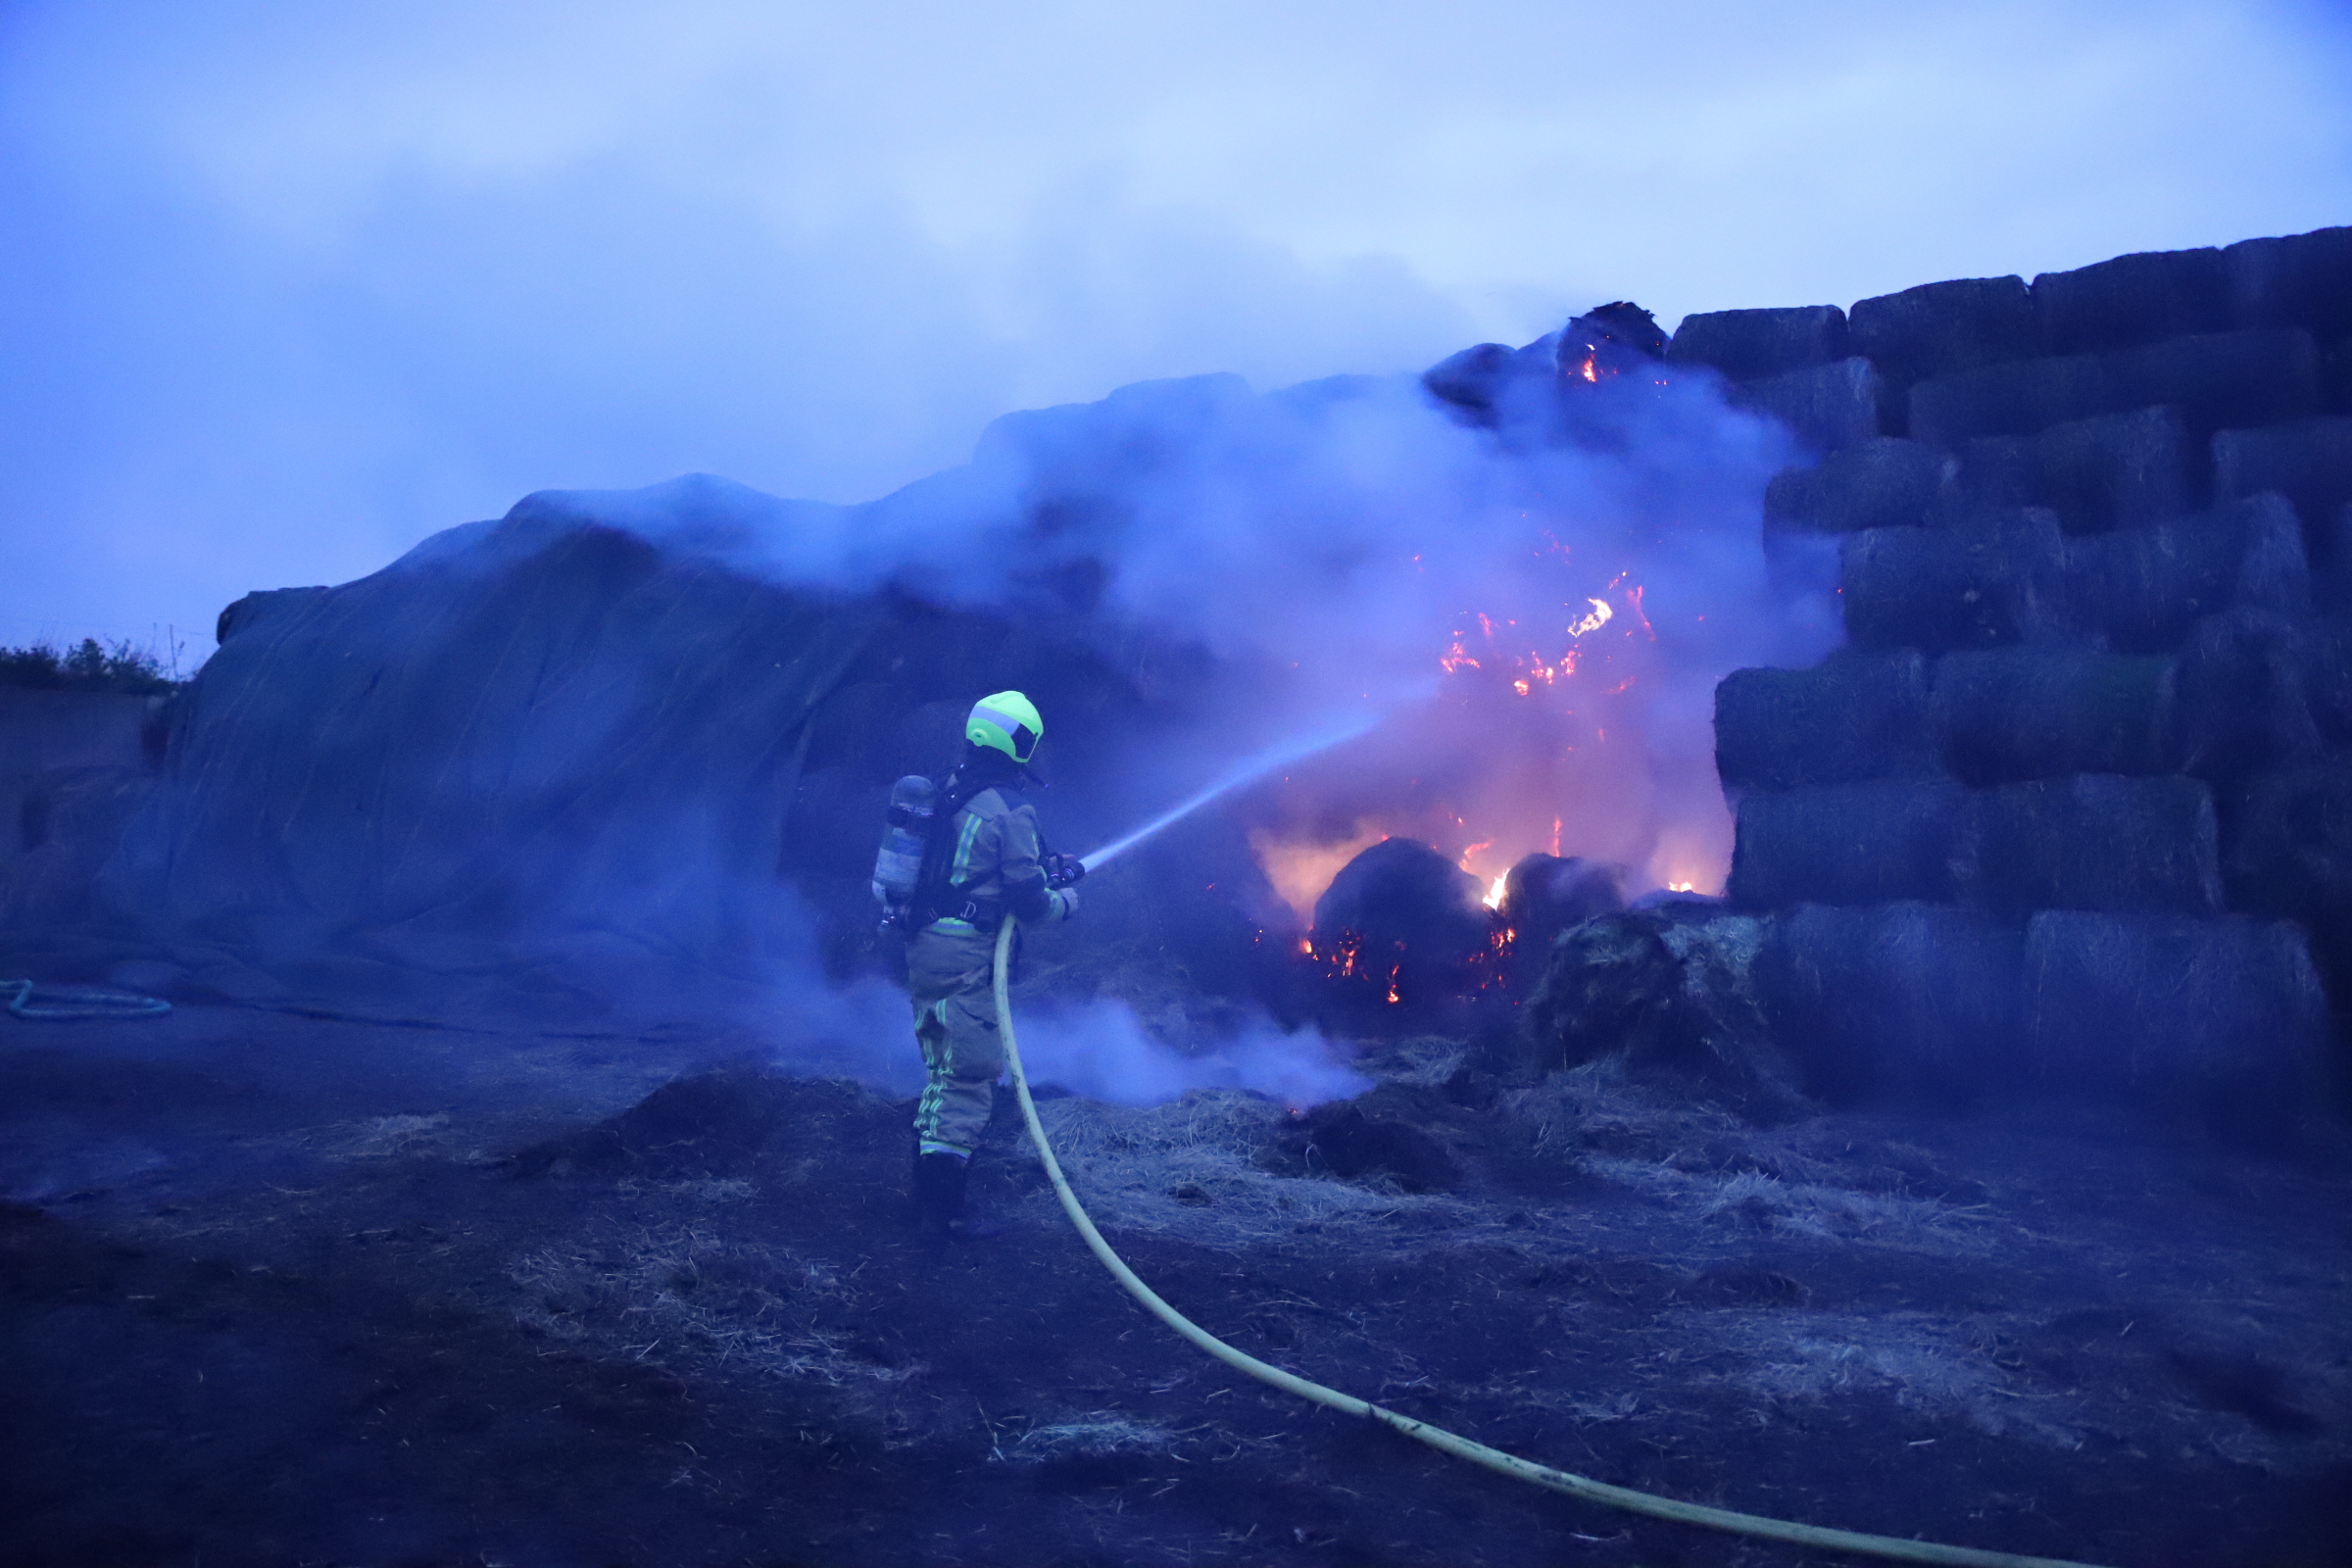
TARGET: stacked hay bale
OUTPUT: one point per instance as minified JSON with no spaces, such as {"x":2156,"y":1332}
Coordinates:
{"x":2073,"y":807}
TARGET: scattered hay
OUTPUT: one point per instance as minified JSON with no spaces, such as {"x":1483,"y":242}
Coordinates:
{"x":1197,"y":1169}
{"x":676,"y":1292}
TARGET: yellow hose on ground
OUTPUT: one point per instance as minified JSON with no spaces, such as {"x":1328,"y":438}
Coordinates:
{"x":1576,"y":1485}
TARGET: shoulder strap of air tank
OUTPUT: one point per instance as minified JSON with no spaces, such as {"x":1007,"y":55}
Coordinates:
{"x":931,"y":883}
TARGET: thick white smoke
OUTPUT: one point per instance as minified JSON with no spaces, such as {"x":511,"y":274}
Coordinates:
{"x":1356,"y":545}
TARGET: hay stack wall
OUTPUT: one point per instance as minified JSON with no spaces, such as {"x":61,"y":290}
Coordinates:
{"x":2073,"y":807}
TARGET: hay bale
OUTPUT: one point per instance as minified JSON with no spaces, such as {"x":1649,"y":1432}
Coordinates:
{"x":2251,"y":692}
{"x":2309,"y":462}
{"x":2298,"y":281}
{"x":2004,"y":715}
{"x":2017,"y":398}
{"x":1751,"y":345}
{"x":1666,"y":995}
{"x":2220,"y":1021}
{"x":1905,"y":1002}
{"x":1830,"y":406}
{"x":1472,"y":379}
{"x":1414,"y":919}
{"x":1856,"y":716}
{"x":853,"y":728}
{"x":1886,"y":483}
{"x":2143,"y":589}
{"x":2131,"y":300}
{"x":1848,"y":844}
{"x":2115,"y":470}
{"x":2287,"y":851}
{"x":2091,"y":841}
{"x":1937,"y":328}
{"x":1997,"y":579}
{"x":2217,"y":380}
{"x":1545,"y":895}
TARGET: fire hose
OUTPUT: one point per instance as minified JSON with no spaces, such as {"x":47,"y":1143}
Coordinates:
{"x":1461,"y":1448}
{"x":77,"y":1001}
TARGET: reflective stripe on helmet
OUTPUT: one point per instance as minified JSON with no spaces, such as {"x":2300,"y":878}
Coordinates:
{"x":1006,"y":722}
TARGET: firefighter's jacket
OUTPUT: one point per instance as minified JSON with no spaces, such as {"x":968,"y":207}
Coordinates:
{"x":994,"y":866}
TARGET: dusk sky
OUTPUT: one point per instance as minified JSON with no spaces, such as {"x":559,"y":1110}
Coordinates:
{"x":284,"y":289}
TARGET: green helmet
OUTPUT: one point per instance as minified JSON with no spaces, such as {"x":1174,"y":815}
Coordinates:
{"x":1007,"y":723}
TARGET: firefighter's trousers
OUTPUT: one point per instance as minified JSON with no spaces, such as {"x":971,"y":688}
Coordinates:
{"x":950,"y":975}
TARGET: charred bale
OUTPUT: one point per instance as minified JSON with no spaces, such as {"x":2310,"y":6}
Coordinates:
{"x":2300,"y":280}
{"x":1545,"y":895}
{"x":2219,"y":1021}
{"x":1997,"y":579}
{"x":1907,"y":1002}
{"x":2309,"y":462}
{"x":1829,"y":406}
{"x":1857,"y":717}
{"x":1848,"y":844}
{"x":1342,"y":1140}
{"x":1937,"y":328}
{"x":1608,"y":340}
{"x":1400,"y":917}
{"x":2131,"y":300}
{"x":2093,"y":841}
{"x":2116,"y":470}
{"x":1666,"y":994}
{"x":1752,"y":345}
{"x":2006,"y":715}
{"x":1472,"y":380}
{"x":2217,"y":380}
{"x":1886,"y":483}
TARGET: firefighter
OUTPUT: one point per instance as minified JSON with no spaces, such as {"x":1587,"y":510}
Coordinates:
{"x":984,"y":862}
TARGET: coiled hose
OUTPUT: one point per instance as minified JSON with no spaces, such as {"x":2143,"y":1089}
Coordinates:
{"x":1576,"y":1485}
{"x":77,"y":1001}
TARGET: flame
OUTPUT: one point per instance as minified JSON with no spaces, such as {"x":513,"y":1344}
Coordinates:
{"x":1588,"y":369}
{"x":1493,"y":898}
{"x":1600,"y":616}
{"x":1393,"y":997}
{"x":1681,"y":887}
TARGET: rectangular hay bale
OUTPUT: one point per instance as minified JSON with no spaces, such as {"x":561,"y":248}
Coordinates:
{"x":2132,"y":300}
{"x":1856,"y":716}
{"x":2114,"y":470}
{"x":1752,"y":345}
{"x":2007,"y":715}
{"x":2091,"y":841}
{"x":1848,"y":844}
{"x":1997,"y":579}
{"x":1896,"y":1003}
{"x":2221,"y":1021}
{"x":1886,"y":483}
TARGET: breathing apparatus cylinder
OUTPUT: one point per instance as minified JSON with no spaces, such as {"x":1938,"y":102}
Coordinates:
{"x":899,"y":864}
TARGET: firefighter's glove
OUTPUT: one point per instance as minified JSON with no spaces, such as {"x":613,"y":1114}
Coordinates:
{"x":1067,"y":903}
{"x":1063,"y":870}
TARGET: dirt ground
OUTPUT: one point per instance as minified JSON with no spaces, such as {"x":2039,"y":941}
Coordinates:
{"x":282,"y":1289}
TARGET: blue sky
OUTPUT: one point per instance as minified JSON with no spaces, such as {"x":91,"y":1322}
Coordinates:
{"x":285,"y":288}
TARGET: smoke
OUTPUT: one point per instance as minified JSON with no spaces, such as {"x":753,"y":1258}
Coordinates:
{"x":1101,"y":1050}
{"x":1540,"y":610}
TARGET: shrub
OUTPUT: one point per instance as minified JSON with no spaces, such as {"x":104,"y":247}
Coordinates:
{"x":86,"y":666}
